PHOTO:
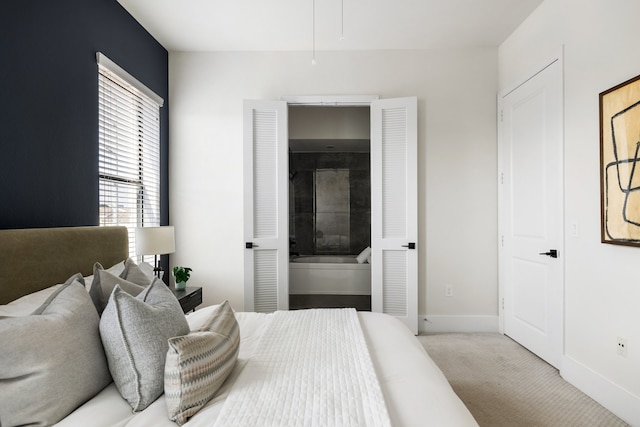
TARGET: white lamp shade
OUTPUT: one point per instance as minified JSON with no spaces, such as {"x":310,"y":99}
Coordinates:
{"x":155,"y":240}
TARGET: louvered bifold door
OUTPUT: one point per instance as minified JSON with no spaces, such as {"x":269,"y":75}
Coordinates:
{"x":394,"y":209}
{"x":266,"y":169}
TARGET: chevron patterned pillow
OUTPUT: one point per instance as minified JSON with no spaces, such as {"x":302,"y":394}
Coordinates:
{"x":198,"y":363}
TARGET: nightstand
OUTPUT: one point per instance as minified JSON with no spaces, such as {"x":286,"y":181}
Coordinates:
{"x":189,"y":298}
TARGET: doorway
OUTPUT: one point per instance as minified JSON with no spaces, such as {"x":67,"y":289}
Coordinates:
{"x":394,"y":210}
{"x":329,"y":206}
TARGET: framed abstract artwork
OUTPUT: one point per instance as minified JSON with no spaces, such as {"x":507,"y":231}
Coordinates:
{"x":620,"y":163}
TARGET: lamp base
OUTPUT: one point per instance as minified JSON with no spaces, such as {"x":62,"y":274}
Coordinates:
{"x":157,"y":270}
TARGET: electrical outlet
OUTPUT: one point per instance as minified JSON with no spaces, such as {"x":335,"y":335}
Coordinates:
{"x":448,"y":291}
{"x":575,"y":229}
{"x":622,"y":347}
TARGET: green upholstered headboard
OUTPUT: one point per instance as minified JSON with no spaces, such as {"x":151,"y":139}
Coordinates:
{"x":36,"y":258}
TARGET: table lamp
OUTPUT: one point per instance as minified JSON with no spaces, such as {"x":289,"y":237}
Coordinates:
{"x":155,"y":241}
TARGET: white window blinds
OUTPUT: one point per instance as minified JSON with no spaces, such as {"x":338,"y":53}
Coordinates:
{"x":129,"y":150}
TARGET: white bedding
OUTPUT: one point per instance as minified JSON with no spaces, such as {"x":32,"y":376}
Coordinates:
{"x":314,"y":370}
{"x":416,"y":393}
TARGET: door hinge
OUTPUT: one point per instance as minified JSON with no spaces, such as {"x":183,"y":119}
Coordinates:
{"x":502,"y":240}
{"x":501,"y":177}
{"x":501,"y":115}
{"x":503,"y":303}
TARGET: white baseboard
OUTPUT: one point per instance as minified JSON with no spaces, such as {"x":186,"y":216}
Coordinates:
{"x":432,"y":324}
{"x":613,"y":397}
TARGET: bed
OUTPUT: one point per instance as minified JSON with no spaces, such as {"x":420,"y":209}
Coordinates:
{"x":412,"y":389}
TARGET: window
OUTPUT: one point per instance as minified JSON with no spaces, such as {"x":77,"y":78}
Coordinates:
{"x":129,"y":150}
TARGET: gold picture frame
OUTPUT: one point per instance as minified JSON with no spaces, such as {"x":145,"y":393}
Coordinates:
{"x":620,"y":163}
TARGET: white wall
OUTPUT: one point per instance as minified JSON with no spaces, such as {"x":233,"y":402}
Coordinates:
{"x":602,"y":285}
{"x":457,"y":159}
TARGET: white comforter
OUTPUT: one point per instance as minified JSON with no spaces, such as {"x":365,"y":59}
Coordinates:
{"x":416,"y":393}
{"x":314,"y":370}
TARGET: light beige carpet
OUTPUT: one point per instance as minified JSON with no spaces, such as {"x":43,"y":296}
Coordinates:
{"x":503,"y":384}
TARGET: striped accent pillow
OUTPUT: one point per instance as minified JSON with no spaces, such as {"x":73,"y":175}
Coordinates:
{"x":198,"y":363}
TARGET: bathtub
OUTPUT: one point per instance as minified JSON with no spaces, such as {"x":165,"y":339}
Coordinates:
{"x":329,"y":274}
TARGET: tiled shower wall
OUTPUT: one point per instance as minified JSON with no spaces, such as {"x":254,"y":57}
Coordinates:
{"x":302,"y":227}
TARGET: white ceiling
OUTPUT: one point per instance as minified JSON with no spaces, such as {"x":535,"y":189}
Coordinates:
{"x":265,"y":25}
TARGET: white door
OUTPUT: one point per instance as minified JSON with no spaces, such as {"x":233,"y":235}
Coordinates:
{"x":531,"y":273}
{"x":394,"y":209}
{"x":266,"y":283}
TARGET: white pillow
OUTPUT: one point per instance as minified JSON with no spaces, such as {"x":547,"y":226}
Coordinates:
{"x":364,"y":256}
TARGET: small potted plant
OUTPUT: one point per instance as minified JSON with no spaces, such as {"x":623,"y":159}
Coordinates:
{"x":181,"y":274}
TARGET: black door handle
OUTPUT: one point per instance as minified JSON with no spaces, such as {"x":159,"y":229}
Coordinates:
{"x":553,"y":253}
{"x":410,"y":246}
{"x":250,"y":245}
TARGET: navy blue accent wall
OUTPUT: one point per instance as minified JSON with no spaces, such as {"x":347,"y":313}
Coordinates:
{"x":49,"y":105}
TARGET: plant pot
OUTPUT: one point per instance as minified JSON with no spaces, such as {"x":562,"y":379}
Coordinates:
{"x":181,"y":286}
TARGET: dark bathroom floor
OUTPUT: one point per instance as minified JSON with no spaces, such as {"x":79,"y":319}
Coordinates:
{"x":359,"y":302}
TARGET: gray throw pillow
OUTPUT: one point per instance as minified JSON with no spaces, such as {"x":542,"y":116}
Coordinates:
{"x":116,"y":269}
{"x":51,"y":361}
{"x":28,"y":304}
{"x":199,"y":363}
{"x":103,"y":284}
{"x":136,"y":274}
{"x":135,"y":333}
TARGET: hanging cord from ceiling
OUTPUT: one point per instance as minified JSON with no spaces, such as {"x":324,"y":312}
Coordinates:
{"x":313,"y":59}
{"x":341,"y":19}
{"x":313,"y":27}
